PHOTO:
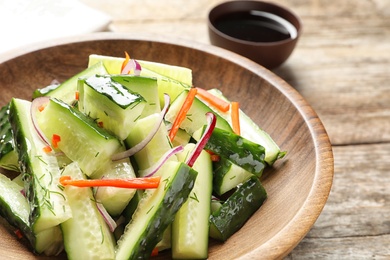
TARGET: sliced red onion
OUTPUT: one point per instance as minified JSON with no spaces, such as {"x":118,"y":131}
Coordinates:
{"x":149,"y":172}
{"x":35,"y":104}
{"x":138,"y":147}
{"x":211,"y":122}
{"x":138,"y":69}
{"x":106,"y":216}
{"x":132,"y":65}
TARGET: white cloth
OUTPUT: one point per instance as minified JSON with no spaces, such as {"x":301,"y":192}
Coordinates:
{"x":25,"y":22}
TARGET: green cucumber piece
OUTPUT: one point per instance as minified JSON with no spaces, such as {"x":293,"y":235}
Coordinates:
{"x":15,"y":208}
{"x":115,"y":107}
{"x":237,"y":209}
{"x":66,"y":90}
{"x":49,"y":242}
{"x":244,"y":153}
{"x":190,"y":229}
{"x":227,"y":176}
{"x":8,"y":154}
{"x":181,"y":138}
{"x":49,"y":206}
{"x":114,"y":65}
{"x":132,"y":206}
{"x":177,"y":73}
{"x":196,"y":116}
{"x":156,"y":211}
{"x":155,"y":149}
{"x":170,"y":79}
{"x":86,"y":235}
{"x":115,"y":199}
{"x":82,"y":140}
{"x":147,"y":87}
{"x":251,"y":131}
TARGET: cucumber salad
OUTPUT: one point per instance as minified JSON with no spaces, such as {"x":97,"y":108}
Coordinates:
{"x":128,"y":159}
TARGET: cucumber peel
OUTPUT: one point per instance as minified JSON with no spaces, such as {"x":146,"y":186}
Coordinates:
{"x":156,"y":211}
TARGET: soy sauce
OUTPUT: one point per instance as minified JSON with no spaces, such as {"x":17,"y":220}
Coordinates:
{"x":256,"y":26}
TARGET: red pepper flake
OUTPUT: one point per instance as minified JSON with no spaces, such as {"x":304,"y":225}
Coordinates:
{"x":214,"y":157}
{"x":100,"y":124}
{"x":55,"y":140}
{"x":154,"y":252}
{"x":18,"y":234}
{"x":41,"y":108}
{"x":77,"y":95}
{"x":47,"y":149}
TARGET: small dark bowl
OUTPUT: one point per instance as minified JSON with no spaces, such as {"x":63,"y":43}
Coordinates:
{"x":270,"y":54}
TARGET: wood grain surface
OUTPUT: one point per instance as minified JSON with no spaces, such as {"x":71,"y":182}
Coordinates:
{"x":341,"y":66}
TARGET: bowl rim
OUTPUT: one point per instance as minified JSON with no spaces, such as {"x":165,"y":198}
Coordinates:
{"x":253,"y":43}
{"x":288,"y":237}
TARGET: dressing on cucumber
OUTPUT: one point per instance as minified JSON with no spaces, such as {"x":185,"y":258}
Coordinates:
{"x":8,"y":155}
{"x":156,"y":211}
{"x":82,"y":140}
{"x":49,"y":206}
{"x":190,"y":229}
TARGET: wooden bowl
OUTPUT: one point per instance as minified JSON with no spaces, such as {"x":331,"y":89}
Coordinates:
{"x":297,"y":186}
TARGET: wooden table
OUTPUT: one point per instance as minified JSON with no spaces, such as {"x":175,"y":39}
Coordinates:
{"x":342,"y":67}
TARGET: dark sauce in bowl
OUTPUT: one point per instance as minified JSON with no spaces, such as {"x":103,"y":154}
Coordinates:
{"x":256,"y":26}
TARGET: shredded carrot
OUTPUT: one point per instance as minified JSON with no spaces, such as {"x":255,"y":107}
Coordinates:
{"x":182,"y":113}
{"x":235,"y":117}
{"x":47,"y":149}
{"x":18,"y":233}
{"x":154,"y":252}
{"x":77,"y":95}
{"x":213,"y":100}
{"x":214,"y":157}
{"x":133,"y":183}
{"x":55,"y":140}
{"x":125,"y":61}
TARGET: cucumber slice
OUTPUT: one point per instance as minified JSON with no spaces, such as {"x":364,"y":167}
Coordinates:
{"x":82,"y":140}
{"x":181,"y":138}
{"x":251,"y":131}
{"x":114,"y":199}
{"x":237,"y":209}
{"x":15,"y":208}
{"x":114,"y":64}
{"x":176,"y":73}
{"x":156,"y":211}
{"x":146,"y":87}
{"x":115,"y":107}
{"x":8,"y":155}
{"x":190,"y":229}
{"x":170,"y":79}
{"x":196,"y":116}
{"x":227,"y":176}
{"x":86,"y":235}
{"x":66,"y":90}
{"x":49,"y":206}
{"x":156,"y":148}
{"x":49,"y":242}
{"x":244,"y":153}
